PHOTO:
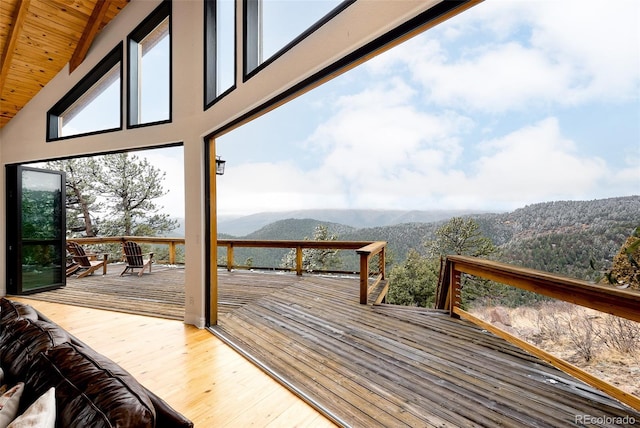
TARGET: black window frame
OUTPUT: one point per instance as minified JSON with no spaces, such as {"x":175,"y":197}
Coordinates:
{"x":211,"y":95}
{"x":159,"y":14}
{"x":92,"y":77}
{"x":251,"y":36}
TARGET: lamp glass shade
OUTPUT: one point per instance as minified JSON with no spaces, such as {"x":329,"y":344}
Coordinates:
{"x":220,"y":166}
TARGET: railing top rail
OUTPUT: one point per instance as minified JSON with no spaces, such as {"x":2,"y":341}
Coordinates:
{"x":112,"y":239}
{"x":620,"y":302}
{"x":372,"y":248}
{"x":281,"y":243}
{"x":477,"y":266}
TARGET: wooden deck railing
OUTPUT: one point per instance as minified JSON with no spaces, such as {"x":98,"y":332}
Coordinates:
{"x":366,"y":253}
{"x":365,"y":249}
{"x":172,"y":243}
{"x":621,"y":303}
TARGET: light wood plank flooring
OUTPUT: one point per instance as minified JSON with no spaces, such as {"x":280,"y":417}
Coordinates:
{"x":192,"y":370}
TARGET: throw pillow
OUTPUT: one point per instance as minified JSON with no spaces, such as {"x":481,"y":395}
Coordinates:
{"x":41,"y":414}
{"x":9,"y":403}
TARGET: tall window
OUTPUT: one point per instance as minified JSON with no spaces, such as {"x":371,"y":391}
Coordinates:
{"x":93,"y":105}
{"x":273,"y":26}
{"x":219,"y":43}
{"x":150,"y":69}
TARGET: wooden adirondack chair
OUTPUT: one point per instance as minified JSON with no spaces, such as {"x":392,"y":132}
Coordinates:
{"x":87,"y":263}
{"x":135,"y":259}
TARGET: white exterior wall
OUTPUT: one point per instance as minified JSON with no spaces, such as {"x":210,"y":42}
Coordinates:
{"x":23,"y":139}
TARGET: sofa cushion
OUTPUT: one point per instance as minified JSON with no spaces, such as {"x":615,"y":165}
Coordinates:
{"x":91,"y":390}
{"x":11,"y":311}
{"x":22,"y":340}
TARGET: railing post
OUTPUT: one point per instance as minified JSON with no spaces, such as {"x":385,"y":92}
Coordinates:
{"x":172,"y":252}
{"x":455,"y":291}
{"x":381,"y":260}
{"x":364,"y":277}
{"x":299,"y":260}
{"x":229,"y":257}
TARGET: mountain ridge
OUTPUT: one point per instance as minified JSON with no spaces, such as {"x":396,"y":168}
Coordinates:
{"x":357,"y":218}
{"x":567,"y":237}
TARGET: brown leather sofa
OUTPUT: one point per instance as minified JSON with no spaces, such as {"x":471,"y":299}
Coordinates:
{"x":90,"y":390}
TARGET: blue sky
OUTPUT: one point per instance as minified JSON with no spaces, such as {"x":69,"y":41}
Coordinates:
{"x":507,"y":104}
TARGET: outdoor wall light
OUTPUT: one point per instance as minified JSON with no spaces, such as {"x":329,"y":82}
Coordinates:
{"x":220,"y":165}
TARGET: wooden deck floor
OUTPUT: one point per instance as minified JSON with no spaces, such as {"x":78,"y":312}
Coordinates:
{"x":391,"y":366}
{"x":394,"y":366}
{"x":159,"y":294}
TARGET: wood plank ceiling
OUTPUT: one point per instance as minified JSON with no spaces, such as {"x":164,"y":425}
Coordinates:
{"x":39,"y":37}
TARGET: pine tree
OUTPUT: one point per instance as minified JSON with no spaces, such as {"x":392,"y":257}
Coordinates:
{"x":460,"y":236}
{"x":315,"y":259}
{"x":413,"y":283}
{"x":130,"y":185}
{"x":81,"y":194}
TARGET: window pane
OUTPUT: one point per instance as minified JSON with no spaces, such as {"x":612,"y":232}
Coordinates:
{"x":98,"y":109}
{"x":40,"y":205}
{"x":284,"y":20}
{"x":40,"y":266}
{"x":225,"y":45}
{"x":154,"y":75}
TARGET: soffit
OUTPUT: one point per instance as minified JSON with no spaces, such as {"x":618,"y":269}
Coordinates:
{"x":39,"y":37}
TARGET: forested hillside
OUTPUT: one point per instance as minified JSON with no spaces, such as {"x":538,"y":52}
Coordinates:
{"x":289,"y":229}
{"x":297,"y":229}
{"x":240,"y":226}
{"x":575,"y":238}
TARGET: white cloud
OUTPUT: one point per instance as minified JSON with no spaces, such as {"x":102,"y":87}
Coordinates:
{"x":280,"y":186}
{"x":169,"y":160}
{"x":565,"y":54}
{"x":535,"y":163}
{"x":384,"y":147}
{"x":499,"y":78}
{"x":379,"y":130}
{"x":602,"y":42}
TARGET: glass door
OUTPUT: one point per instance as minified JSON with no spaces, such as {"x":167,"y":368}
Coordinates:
{"x":36,"y":223}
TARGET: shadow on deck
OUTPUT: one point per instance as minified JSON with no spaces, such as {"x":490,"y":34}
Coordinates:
{"x":368,"y":365}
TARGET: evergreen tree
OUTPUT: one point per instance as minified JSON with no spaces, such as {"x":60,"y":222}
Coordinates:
{"x":460,"y":236}
{"x":81,"y":195}
{"x":413,"y":283}
{"x":315,"y":259}
{"x":130,"y":185}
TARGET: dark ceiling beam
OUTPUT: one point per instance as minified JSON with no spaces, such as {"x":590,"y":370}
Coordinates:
{"x":20,"y":14}
{"x":89,"y":33}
